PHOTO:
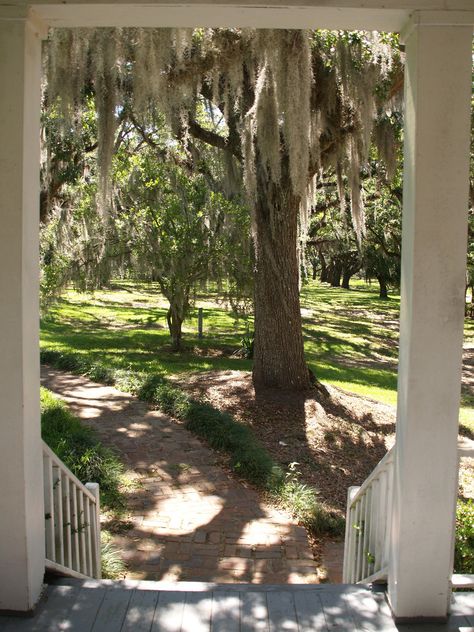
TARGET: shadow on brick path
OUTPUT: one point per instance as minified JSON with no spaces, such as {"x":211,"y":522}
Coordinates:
{"x":190,"y":519}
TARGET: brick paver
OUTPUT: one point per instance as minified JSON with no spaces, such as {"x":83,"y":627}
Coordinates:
{"x":190,"y":519}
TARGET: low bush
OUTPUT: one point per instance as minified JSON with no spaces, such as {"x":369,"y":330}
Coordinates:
{"x":79,"y":449}
{"x":464,"y":547}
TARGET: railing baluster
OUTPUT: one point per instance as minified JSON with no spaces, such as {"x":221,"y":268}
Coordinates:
{"x":87,"y":529}
{"x":349,"y":538}
{"x":76,"y":561}
{"x":360,"y":537}
{"x":67,"y":521}
{"x":95,"y":528}
{"x":48,"y":508}
{"x":58,"y":513}
{"x":378,"y":526}
{"x":388,"y":514}
{"x":82,"y":537}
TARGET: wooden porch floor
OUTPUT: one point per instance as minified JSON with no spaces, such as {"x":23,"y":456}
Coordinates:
{"x":106,"y":606}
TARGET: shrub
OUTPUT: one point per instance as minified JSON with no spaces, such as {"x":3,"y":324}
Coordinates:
{"x":147,"y":390}
{"x":79,"y":449}
{"x":302,"y":501}
{"x":128,"y":381}
{"x":247,"y":344}
{"x":172,"y":401}
{"x":100,"y":373}
{"x":464,"y":546}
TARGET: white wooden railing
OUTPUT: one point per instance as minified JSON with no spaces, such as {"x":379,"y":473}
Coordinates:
{"x":72,"y":520}
{"x":368,"y":520}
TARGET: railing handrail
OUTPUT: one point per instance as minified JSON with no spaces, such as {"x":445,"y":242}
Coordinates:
{"x":381,"y":466}
{"x":64,"y":468}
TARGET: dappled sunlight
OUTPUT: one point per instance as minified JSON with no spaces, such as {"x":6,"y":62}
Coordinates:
{"x":187,"y":519}
{"x":173,"y":607}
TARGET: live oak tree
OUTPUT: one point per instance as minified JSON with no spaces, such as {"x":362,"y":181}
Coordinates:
{"x":294,"y":104}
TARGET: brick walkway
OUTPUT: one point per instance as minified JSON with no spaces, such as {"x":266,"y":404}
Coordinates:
{"x":191,"y":521}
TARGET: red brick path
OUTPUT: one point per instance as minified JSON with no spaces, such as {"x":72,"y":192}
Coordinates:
{"x":191,"y":521}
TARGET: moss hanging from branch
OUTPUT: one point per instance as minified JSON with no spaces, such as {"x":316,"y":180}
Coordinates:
{"x":304,"y":98}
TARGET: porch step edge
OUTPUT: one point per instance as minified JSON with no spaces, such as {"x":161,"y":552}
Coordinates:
{"x":462,"y":581}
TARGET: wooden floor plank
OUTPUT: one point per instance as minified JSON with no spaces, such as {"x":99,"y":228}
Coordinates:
{"x":281,"y":611}
{"x":370,"y":612}
{"x":336,"y":612}
{"x":112,"y":610}
{"x":254,"y":612}
{"x":309,"y":612}
{"x":225,"y":616}
{"x":84,"y":612}
{"x":169,"y":611}
{"x":197,"y":612}
{"x":115,"y":607}
{"x":141,"y":611}
{"x":52,"y":614}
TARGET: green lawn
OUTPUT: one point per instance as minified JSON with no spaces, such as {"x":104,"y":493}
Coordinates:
{"x":351,"y":337}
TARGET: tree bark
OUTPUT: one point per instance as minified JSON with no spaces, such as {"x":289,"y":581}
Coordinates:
{"x":383,"y":286}
{"x":175,"y":323}
{"x":324,"y":277}
{"x":346,"y":277}
{"x":278,"y":349}
{"x":336,"y":274}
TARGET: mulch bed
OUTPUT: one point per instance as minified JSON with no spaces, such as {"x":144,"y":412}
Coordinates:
{"x":336,"y":440}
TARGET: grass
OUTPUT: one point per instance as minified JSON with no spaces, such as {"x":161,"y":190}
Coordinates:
{"x":351,"y":337}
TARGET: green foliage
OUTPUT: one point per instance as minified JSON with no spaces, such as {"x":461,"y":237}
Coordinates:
{"x":77,"y":446}
{"x":147,"y":388}
{"x":464,"y":545}
{"x":247,"y":343}
{"x":302,"y":501}
{"x":112,"y":564}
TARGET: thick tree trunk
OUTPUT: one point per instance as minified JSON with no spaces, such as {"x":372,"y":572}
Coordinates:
{"x":346,"y":277}
{"x":336,"y":274}
{"x":383,"y":286}
{"x":314,"y":265}
{"x":324,"y":277}
{"x":278,"y":349}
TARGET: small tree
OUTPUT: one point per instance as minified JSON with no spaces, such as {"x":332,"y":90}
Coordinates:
{"x":175,"y":230}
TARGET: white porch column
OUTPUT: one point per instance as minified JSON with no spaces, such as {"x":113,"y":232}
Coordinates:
{"x":21,"y":494}
{"x":437,"y":134}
